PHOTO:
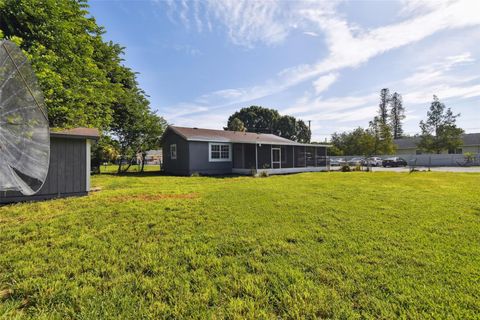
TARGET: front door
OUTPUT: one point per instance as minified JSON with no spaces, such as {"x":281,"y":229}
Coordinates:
{"x":276,"y":156}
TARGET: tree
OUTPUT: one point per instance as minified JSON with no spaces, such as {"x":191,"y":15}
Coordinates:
{"x":286,"y":127}
{"x":81,"y":75}
{"x":439,"y":131}
{"x":397,"y":115}
{"x":69,"y":57}
{"x":264,"y":120}
{"x":256,"y":119}
{"x":383,"y":105}
{"x":303,"y":132}
{"x":382,"y":136}
{"x":236,"y":125}
{"x":356,"y":142}
{"x":152,"y":129}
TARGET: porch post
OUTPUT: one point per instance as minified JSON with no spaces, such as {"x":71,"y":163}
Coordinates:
{"x":327,"y":165}
{"x":293,"y":154}
{"x":305,"y":155}
{"x":256,"y":157}
{"x":243,"y":155}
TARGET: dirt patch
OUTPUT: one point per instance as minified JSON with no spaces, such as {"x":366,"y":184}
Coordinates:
{"x":155,"y":197}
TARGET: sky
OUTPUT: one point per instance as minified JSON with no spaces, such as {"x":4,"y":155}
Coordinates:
{"x":323,"y":61}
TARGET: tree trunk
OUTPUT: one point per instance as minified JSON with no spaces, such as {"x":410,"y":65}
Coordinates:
{"x":143,"y":162}
{"x":120,"y":165}
{"x":128,"y":167}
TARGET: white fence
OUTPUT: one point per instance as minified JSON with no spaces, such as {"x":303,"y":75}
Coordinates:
{"x":428,"y":160}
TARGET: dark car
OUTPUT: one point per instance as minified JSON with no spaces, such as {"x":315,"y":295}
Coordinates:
{"x":394,"y":162}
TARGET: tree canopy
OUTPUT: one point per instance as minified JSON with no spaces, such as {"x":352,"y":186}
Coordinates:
{"x":357,"y":142}
{"x":82,"y":76}
{"x":439,"y":130}
{"x":264,"y":120}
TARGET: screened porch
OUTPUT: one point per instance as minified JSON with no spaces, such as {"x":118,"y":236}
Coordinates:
{"x":278,"y":158}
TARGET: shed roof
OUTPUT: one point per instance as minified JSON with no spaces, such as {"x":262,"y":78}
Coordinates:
{"x":469,"y":139}
{"x":210,"y":135}
{"x":80,"y":133}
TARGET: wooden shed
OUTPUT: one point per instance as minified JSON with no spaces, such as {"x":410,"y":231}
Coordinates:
{"x":69,"y":170}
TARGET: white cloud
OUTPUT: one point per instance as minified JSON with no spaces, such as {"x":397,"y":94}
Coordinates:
{"x":348,"y":46}
{"x":324,"y":82}
{"x":311,"y":33}
{"x":437,"y":72}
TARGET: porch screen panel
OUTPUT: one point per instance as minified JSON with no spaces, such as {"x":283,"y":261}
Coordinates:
{"x":249,"y":156}
{"x":321,"y":157}
{"x":264,"y":156}
{"x":287,"y":152}
{"x":238,"y":158}
{"x":310,"y":155}
{"x":299,"y":157}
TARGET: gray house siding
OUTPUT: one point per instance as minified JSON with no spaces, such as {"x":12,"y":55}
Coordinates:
{"x":248,"y":151}
{"x":67,"y":173}
{"x":179,"y":166}
{"x":200,"y":162}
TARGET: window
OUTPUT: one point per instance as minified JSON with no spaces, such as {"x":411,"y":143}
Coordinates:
{"x":455,"y":151}
{"x":219,"y":152}
{"x":173,"y":151}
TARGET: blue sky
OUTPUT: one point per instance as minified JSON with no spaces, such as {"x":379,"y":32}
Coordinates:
{"x":324,"y":61}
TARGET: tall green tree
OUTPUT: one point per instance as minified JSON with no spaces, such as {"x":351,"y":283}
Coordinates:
{"x":439,"y":130}
{"x":256,"y":119}
{"x":356,"y":142}
{"x":83,"y":77}
{"x":71,"y":60}
{"x":286,"y":127}
{"x":303,"y":132}
{"x":383,"y":105}
{"x":264,"y":120}
{"x":397,"y":115}
{"x":382,"y":134}
{"x":236,"y":125}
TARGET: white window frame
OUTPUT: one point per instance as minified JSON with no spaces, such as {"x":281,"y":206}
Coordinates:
{"x":173,"y":151}
{"x":210,"y":159}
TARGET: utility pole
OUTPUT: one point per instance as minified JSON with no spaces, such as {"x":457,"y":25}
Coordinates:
{"x":309,"y":125}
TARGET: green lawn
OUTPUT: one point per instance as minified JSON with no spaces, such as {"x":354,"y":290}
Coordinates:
{"x":313,"y":245}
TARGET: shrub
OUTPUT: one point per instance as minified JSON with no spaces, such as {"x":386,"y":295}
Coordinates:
{"x":263,"y":174}
{"x":345,"y":168}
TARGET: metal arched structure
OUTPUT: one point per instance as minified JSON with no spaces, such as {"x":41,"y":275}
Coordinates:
{"x":24,"y":126}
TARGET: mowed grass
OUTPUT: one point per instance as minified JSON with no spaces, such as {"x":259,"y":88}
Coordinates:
{"x":312,"y":245}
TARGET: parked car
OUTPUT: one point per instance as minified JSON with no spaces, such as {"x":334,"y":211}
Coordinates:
{"x":338,"y":162}
{"x":356,"y":161}
{"x":394,"y":162}
{"x":373,"y":161}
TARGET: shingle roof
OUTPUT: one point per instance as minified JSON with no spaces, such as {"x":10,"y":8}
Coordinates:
{"x":197,"y":134}
{"x":469,"y":139}
{"x":90,"y":133}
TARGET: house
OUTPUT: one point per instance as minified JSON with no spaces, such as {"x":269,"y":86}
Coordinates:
{"x":210,"y":152}
{"x":408,"y":146}
{"x":152,"y":157}
{"x":69,"y":169}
